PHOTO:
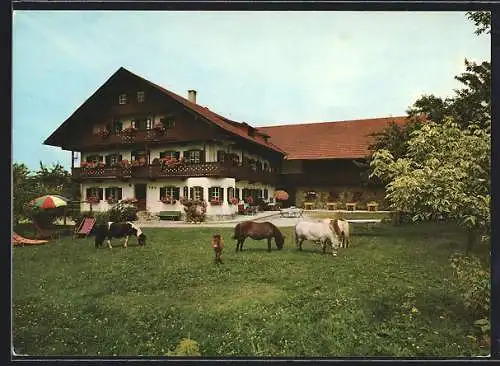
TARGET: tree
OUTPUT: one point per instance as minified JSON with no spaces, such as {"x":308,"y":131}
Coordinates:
{"x":446,"y":171}
{"x":482,"y":20}
{"x":23,"y":190}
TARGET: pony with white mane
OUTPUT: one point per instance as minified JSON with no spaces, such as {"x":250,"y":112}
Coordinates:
{"x":322,"y":231}
{"x":341,"y":229}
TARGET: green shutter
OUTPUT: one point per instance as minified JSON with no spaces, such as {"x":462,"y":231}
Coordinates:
{"x":119,"y":194}
{"x":87,"y":193}
{"x":163,"y":192}
{"x":107,"y":192}
{"x":202,"y":194}
{"x":191,"y":193}
{"x":177,"y":193}
{"x":237,"y":193}
{"x":101,"y":192}
{"x":222,"y":194}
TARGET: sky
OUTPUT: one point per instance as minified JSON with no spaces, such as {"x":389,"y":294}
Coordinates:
{"x":264,"y":68}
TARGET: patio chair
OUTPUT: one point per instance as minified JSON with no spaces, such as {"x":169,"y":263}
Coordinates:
{"x":85,"y":227}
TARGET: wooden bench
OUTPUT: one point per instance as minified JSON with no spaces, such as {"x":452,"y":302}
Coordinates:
{"x":170,"y":215}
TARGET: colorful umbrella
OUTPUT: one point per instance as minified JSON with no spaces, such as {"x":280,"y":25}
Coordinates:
{"x":49,"y":201}
{"x":281,"y":195}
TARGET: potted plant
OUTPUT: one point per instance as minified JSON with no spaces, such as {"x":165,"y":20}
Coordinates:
{"x":233,"y":201}
{"x":101,"y":164}
{"x":93,"y":199}
{"x":111,"y":200}
{"x":249,"y":200}
{"x":168,"y":200}
{"x":129,"y":131}
{"x":124,"y":163}
{"x":104,"y":133}
{"x":215,"y":201}
{"x":159,"y":127}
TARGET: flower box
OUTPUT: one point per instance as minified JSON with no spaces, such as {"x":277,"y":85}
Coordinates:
{"x":93,"y":200}
{"x":129,"y":131}
{"x":215,"y":202}
{"x":104,"y":133}
{"x":168,"y":200}
{"x":129,"y":200}
{"x":124,"y":163}
{"x":111,"y":200}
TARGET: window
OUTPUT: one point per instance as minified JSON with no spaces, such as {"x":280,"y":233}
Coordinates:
{"x":122,"y":99}
{"x":137,"y":155}
{"x":140,"y":96}
{"x":194,"y":156}
{"x":216,"y":194}
{"x":170,"y":192}
{"x":221,"y":156}
{"x":94,"y":158}
{"x":149,"y":123}
{"x":113,"y":159}
{"x":113,"y":193}
{"x":168,"y":122}
{"x":94,"y":192}
{"x":196,"y":193}
{"x":170,"y":154}
{"x":230,"y":194}
{"x":117,"y":127}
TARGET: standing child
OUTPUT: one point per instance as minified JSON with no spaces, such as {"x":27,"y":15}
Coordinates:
{"x":218,"y":245}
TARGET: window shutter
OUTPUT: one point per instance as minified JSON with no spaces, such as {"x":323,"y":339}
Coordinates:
{"x":266,"y":194}
{"x":185,"y":192}
{"x":119,"y":194}
{"x":87,"y":193}
{"x":101,"y":158}
{"x":237,"y":193}
{"x":163,"y":192}
{"x":162,"y":154}
{"x":191,"y":193}
{"x":120,"y":158}
{"x":107,"y":192}
{"x":101,"y":192}
{"x":177,"y":193}
{"x":107,"y":159}
{"x":177,"y":155}
{"x":221,"y":194}
{"x":201,"y":195}
{"x":220,"y":156}
{"x":211,"y":193}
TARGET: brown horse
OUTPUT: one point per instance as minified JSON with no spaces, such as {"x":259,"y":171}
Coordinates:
{"x":258,"y":231}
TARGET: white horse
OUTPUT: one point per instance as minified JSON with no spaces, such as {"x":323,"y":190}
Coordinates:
{"x":321,"y":231}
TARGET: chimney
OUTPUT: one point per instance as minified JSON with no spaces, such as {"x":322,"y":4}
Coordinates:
{"x":192,"y":96}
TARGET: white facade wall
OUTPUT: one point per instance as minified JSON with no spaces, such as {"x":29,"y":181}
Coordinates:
{"x":153,"y":203}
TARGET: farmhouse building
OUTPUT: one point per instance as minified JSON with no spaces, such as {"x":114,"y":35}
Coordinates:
{"x":140,"y":141}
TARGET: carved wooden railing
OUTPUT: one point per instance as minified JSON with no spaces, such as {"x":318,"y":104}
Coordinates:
{"x":209,"y":169}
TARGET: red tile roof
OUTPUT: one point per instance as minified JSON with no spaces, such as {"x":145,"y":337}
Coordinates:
{"x":237,"y":128}
{"x":328,"y":140}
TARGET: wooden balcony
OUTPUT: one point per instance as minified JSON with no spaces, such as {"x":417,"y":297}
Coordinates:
{"x":210,"y":169}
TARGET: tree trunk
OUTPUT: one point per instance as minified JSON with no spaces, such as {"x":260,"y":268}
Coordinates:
{"x":471,"y":240}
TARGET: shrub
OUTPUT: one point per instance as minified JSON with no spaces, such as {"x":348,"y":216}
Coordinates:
{"x":186,"y":347}
{"x":475,"y":288}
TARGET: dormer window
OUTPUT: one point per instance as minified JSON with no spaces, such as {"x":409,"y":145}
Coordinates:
{"x":122,"y":99}
{"x":140,"y":96}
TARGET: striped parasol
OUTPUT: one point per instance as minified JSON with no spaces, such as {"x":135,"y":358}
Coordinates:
{"x":49,"y":201}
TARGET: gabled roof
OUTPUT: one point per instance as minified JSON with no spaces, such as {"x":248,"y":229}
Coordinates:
{"x":233,"y":127}
{"x":328,"y":140}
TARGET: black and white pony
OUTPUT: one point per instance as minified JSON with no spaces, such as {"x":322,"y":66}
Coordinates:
{"x":118,"y":230}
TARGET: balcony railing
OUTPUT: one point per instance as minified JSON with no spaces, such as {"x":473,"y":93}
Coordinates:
{"x":210,"y":169}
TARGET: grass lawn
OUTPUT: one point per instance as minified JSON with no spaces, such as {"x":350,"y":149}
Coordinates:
{"x":392,"y":293}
